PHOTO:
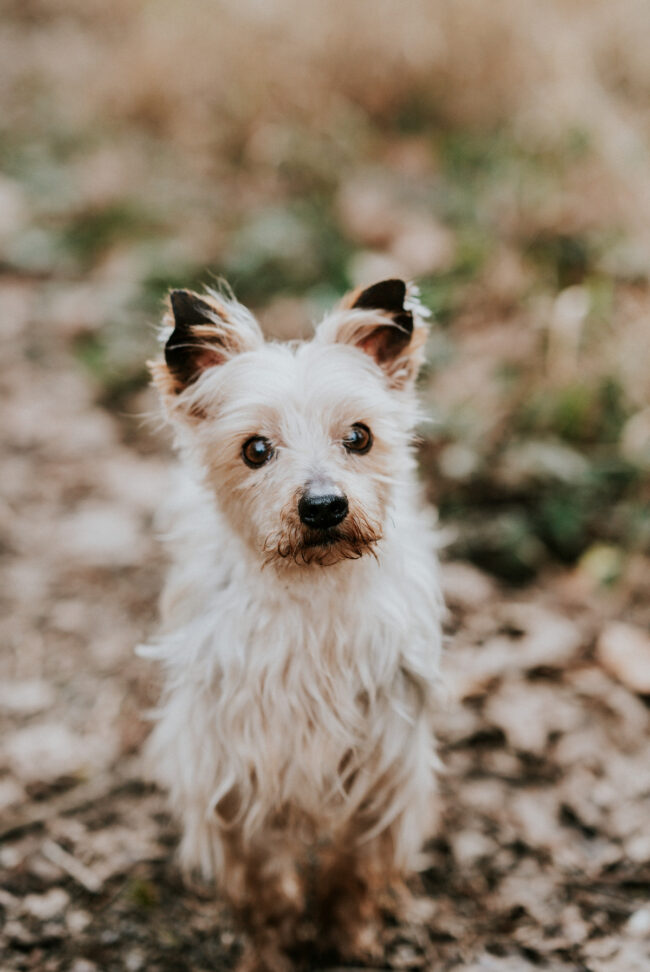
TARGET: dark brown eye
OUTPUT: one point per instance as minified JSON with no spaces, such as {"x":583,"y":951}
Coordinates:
{"x":256,"y":451}
{"x":358,"y":439}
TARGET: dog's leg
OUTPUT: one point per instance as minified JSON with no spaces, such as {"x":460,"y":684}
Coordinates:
{"x":361,"y":883}
{"x":264,"y":956}
{"x":267,"y":897}
{"x":351,"y":895}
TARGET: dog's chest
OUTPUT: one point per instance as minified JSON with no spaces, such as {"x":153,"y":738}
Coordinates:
{"x":299,"y":706}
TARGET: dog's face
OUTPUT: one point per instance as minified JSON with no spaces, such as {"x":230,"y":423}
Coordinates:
{"x":302,"y":443}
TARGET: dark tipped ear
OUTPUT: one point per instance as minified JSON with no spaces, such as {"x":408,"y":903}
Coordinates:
{"x":388,"y":295}
{"x":207,"y":331}
{"x":385,"y":342}
{"x":189,"y":309}
{"x":384,"y":321}
{"x":190,"y":349}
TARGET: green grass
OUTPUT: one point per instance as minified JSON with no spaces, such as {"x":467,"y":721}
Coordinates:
{"x":88,"y":234}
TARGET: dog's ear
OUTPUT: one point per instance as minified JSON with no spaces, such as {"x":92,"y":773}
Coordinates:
{"x":385,"y":321}
{"x":206,"y":332}
{"x":384,"y":342}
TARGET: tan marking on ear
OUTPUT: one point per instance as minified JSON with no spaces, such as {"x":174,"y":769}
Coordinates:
{"x":349,"y":299}
{"x":382,"y":321}
{"x":162,"y":378}
{"x":204,"y":331}
{"x":370,"y":332}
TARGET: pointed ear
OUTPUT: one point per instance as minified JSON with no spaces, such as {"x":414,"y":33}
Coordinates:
{"x":384,"y":342}
{"x":206,"y":331}
{"x":385,"y":321}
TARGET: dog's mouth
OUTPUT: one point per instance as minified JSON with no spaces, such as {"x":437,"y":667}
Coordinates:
{"x":322,"y":538}
{"x":296,"y":543}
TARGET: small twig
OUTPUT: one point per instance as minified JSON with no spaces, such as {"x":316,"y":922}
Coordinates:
{"x":78,"y":871}
{"x":77,"y":798}
{"x":610,"y":900}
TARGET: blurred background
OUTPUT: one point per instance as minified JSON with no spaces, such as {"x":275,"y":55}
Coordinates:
{"x":497,"y":151}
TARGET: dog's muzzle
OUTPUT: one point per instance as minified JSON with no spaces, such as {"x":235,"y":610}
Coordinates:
{"x":321,"y":509}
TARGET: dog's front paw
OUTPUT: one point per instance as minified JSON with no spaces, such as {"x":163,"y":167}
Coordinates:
{"x":265,"y":958}
{"x":361,"y":943}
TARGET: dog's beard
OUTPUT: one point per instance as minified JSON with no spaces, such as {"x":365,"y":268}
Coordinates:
{"x":304,"y":546}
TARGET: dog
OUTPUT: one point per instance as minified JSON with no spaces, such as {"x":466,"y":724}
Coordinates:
{"x":301,"y":621}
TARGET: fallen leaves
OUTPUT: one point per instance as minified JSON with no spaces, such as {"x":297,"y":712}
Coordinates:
{"x":533,"y":637}
{"x":26,"y":697}
{"x":47,"y":751}
{"x":541,"y":854}
{"x":529,"y":714}
{"x":624,"y":650}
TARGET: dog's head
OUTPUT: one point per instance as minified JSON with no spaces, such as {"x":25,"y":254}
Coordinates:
{"x":302,"y":443}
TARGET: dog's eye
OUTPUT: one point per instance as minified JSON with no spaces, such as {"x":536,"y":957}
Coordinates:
{"x":358,"y":439}
{"x":256,"y":451}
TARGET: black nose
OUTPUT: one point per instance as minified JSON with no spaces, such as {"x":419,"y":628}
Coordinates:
{"x":322,"y":510}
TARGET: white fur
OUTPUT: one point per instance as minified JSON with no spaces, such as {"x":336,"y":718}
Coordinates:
{"x":304,"y":692}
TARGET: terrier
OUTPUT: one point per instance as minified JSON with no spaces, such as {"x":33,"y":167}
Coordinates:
{"x":301,"y":619}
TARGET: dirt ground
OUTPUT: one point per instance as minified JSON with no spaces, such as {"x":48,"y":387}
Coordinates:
{"x":541,"y":858}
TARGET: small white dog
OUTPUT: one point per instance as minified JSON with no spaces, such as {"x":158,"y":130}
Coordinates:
{"x":301,"y":620}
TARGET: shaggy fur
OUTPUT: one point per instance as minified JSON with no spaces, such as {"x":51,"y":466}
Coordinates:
{"x":294,"y":733}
